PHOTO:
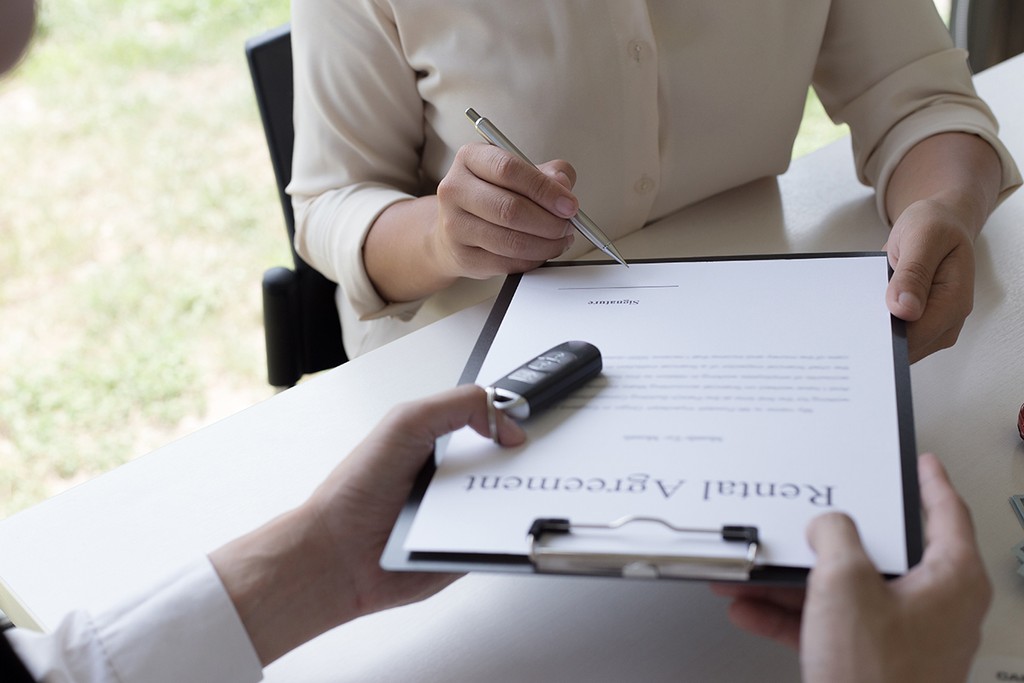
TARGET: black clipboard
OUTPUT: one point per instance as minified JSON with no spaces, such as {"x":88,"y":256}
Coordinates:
{"x":547,"y":536}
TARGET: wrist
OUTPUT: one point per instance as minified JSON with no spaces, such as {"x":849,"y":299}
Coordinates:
{"x":958,"y":171}
{"x":402,"y":253}
{"x":959,"y":208}
{"x":277,"y":577}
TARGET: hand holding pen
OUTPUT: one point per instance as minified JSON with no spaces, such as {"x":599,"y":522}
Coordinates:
{"x":494,"y":213}
{"x":580,"y":220}
{"x":498,"y":214}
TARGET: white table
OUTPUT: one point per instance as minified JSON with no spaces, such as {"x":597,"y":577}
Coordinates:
{"x":120,"y":532}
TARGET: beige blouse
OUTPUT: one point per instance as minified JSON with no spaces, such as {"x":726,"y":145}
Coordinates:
{"x":657,"y":103}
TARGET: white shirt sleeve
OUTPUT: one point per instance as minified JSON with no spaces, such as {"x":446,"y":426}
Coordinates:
{"x":185,"y":630}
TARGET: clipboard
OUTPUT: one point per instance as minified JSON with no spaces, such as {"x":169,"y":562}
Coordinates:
{"x":652,"y":546}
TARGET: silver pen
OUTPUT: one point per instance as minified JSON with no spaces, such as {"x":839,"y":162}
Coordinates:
{"x":581,"y":221}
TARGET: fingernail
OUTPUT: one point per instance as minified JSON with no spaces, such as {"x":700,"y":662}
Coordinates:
{"x":565,"y":207}
{"x":569,"y":242}
{"x":909,"y":301}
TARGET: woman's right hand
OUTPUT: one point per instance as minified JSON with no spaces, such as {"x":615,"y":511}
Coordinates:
{"x":493,"y":214}
{"x":498,"y":214}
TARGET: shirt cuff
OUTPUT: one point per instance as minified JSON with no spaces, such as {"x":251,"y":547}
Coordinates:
{"x":943,"y":119}
{"x":330,"y":231}
{"x":184,"y":630}
{"x":932,"y":95}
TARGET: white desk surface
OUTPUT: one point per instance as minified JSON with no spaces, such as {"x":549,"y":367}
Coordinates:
{"x":122,"y":531}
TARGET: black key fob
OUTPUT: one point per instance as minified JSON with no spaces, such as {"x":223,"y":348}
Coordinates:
{"x":543,"y":380}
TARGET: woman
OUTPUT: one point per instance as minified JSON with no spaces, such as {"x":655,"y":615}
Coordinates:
{"x":656,"y":104}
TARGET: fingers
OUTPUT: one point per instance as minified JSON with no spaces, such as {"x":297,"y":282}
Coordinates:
{"x":910,"y":284}
{"x":767,"y":611}
{"x":391,"y":456}
{"x":424,"y":421}
{"x":785,"y":597}
{"x":949,"y":531}
{"x":499,"y":214}
{"x":767,"y":620}
{"x":509,"y":432}
{"x":932,"y":285}
{"x":951,"y":573}
{"x":919,"y":242}
{"x":562,"y":172}
{"x":842,"y":565}
{"x":950,"y":299}
{"x":928,"y":335}
{"x":835,"y":540}
{"x":520,"y":180}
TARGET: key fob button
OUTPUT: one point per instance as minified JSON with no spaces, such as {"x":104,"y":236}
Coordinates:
{"x":527,"y":376}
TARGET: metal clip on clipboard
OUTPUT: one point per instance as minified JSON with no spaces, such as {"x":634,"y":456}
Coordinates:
{"x":559,"y":546}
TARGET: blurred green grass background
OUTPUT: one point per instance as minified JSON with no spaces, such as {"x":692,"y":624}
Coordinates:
{"x":137,"y":214}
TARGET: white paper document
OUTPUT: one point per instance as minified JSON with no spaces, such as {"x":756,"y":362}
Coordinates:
{"x":744,"y":392}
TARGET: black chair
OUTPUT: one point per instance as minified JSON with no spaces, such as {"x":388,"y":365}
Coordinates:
{"x":300,"y":319}
{"x":992,"y":30}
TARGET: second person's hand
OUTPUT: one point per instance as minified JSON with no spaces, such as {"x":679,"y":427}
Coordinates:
{"x":852,"y":625}
{"x":318,"y":565}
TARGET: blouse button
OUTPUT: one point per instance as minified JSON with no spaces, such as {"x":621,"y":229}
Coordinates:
{"x":644,"y":185}
{"x":638,"y":51}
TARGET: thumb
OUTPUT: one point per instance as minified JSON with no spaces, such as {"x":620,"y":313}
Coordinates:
{"x":841,"y":558}
{"x":411,"y":429}
{"x":832,"y":535}
{"x":435,"y":416}
{"x":908,"y":290}
{"x":914,"y":263}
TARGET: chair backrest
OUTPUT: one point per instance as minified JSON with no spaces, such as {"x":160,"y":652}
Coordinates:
{"x":299,"y":312}
{"x":270,"y":65}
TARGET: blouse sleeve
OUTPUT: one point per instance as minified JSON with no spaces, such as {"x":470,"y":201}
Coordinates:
{"x":358,"y":135}
{"x":888,"y":68}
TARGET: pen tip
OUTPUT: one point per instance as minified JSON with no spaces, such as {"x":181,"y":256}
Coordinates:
{"x":614,"y":253}
{"x":473,"y":116}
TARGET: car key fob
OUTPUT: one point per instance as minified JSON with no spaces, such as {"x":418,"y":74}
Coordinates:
{"x":543,"y":380}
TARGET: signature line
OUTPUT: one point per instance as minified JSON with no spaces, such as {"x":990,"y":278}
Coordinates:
{"x":624,"y":287}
